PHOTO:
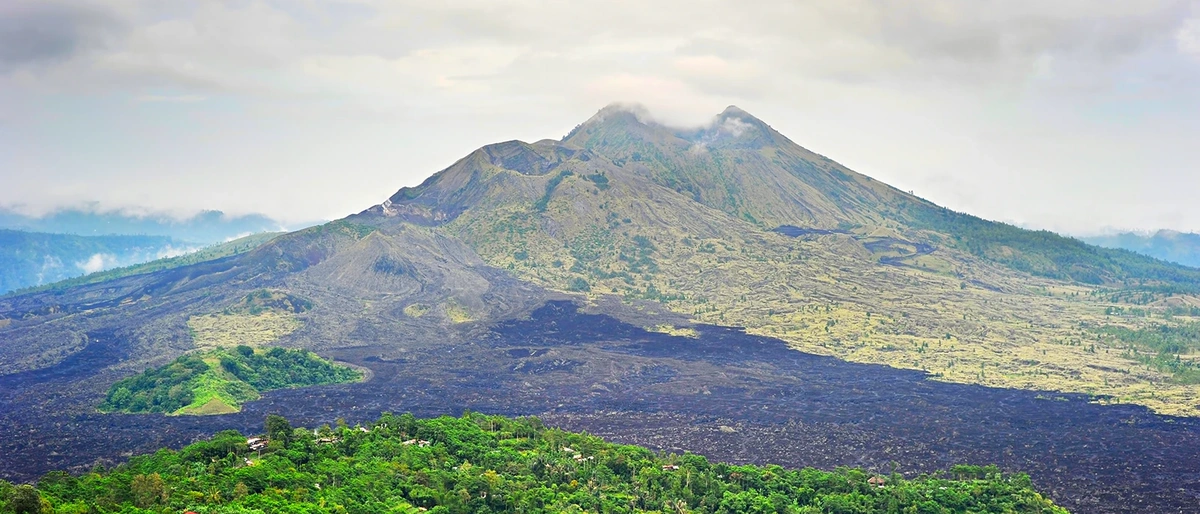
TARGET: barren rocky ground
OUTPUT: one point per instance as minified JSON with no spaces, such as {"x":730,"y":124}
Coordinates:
{"x":724,"y":394}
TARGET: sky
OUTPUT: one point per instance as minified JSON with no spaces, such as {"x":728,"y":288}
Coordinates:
{"x":1080,"y":116}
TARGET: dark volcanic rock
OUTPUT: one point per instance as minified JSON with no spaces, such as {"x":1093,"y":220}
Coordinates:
{"x":725,"y":394}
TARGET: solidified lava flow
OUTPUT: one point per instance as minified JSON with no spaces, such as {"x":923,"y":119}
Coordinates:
{"x":725,"y":394}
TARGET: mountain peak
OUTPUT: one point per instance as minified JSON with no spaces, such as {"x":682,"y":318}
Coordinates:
{"x":622,"y":112}
{"x":627,"y":113}
{"x":734,"y":110}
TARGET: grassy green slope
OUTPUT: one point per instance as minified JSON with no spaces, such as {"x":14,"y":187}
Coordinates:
{"x":478,"y":463}
{"x":219,"y":381}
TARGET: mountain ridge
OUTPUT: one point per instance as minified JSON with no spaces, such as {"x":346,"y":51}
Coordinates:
{"x":205,"y":227}
{"x":685,"y":220}
{"x":1167,"y":245}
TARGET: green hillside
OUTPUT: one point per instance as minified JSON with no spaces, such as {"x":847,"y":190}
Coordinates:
{"x":219,"y":381}
{"x":480,"y":464}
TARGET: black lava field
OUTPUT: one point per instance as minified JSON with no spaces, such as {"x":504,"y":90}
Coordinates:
{"x":725,"y":394}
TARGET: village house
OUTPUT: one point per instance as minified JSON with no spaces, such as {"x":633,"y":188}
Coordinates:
{"x":257,"y":443}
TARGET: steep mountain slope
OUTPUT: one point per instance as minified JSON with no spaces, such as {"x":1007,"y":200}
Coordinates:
{"x":683,"y":218}
{"x":368,"y":283}
{"x":742,"y":166}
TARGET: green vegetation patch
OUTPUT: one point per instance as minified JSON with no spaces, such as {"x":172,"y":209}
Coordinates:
{"x":416,"y":310}
{"x":457,"y":313}
{"x":669,"y":329}
{"x":600,"y":179}
{"x":219,"y":381}
{"x":478,"y":464}
{"x":1167,"y":348}
{"x":551,"y":185}
{"x":265,"y":300}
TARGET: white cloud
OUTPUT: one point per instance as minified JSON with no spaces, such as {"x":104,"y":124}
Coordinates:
{"x":171,"y":251}
{"x":1188,"y":37}
{"x":97,"y":262}
{"x":734,"y":126}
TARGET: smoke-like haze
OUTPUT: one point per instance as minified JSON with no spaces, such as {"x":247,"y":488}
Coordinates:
{"x":1073,"y":115}
{"x":97,"y":262}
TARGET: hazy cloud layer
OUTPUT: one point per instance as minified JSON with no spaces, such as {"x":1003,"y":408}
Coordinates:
{"x":1073,"y":115}
{"x":41,"y":33}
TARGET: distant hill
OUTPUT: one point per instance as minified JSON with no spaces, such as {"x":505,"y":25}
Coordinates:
{"x":193,"y":255}
{"x":36,"y":261}
{"x":30,"y":259}
{"x":1168,"y":245}
{"x":206,"y":227}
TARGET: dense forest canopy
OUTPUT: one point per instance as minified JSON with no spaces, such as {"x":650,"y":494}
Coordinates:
{"x":480,"y":464}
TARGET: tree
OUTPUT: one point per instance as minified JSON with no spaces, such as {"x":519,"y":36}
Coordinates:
{"x":25,"y":500}
{"x":278,"y":429}
{"x":240,"y":491}
{"x":148,"y":490}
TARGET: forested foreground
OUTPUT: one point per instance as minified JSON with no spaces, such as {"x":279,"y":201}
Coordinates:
{"x":480,"y":464}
